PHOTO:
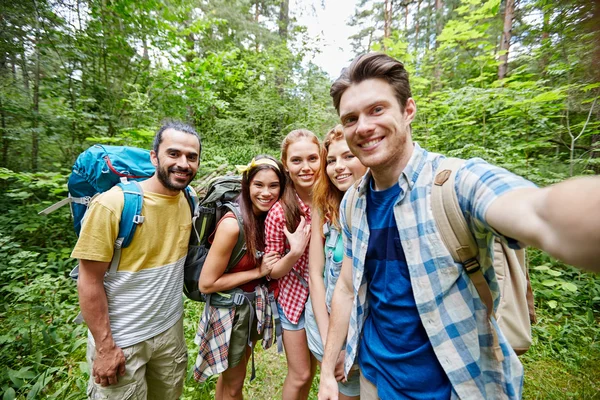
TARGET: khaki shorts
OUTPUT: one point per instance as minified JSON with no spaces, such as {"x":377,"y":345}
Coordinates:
{"x":239,"y":334}
{"x":154,"y":369}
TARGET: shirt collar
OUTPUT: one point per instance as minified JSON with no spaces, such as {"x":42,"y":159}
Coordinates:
{"x":409,"y":175}
{"x":303,"y":207}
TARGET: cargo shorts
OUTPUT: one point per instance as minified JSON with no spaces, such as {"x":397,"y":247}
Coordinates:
{"x":154,"y":369}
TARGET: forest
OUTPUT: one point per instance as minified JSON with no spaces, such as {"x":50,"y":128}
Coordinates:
{"x":516,"y":82}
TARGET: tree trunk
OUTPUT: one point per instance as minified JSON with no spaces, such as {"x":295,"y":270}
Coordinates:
{"x":417,"y":29}
{"x":284,"y":19}
{"x":35,"y":107}
{"x":387,"y":24}
{"x":595,"y":68}
{"x":4,"y":160}
{"x":439,"y":11}
{"x":509,"y":12}
{"x":256,"y":15}
{"x":545,"y":39}
{"x":406,"y":18}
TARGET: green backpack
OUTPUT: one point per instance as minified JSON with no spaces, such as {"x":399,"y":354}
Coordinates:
{"x":218,"y":200}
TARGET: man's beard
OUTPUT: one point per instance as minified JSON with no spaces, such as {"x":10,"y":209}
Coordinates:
{"x":163,"y":177}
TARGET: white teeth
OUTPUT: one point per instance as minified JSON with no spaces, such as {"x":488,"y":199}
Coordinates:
{"x":343,"y":176}
{"x":370,"y":143}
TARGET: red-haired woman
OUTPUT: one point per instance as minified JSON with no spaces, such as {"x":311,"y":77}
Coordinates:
{"x":339,"y":170}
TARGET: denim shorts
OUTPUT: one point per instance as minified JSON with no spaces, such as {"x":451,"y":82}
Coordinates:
{"x":286,"y":324}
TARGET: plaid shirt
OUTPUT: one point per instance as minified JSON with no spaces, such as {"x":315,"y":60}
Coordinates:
{"x":451,"y":312}
{"x":292,"y":293}
{"x":214,"y":335}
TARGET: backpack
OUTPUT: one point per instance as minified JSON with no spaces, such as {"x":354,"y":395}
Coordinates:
{"x":516,"y":310}
{"x":214,"y":205}
{"x":516,"y":295}
{"x":98,"y":169}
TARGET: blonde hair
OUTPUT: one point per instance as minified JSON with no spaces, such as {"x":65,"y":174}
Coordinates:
{"x":288,"y":201}
{"x":326,"y":196}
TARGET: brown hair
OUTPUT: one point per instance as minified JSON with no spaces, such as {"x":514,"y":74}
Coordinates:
{"x":254,"y":226}
{"x":373,"y":66}
{"x":291,"y":208}
{"x":326,"y":196}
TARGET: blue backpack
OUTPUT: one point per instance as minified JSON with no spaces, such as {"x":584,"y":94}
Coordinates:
{"x":98,"y":169}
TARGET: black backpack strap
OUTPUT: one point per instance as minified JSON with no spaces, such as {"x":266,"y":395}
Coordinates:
{"x":239,"y":250}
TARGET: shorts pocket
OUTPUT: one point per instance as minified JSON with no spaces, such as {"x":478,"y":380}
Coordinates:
{"x":125,"y":392}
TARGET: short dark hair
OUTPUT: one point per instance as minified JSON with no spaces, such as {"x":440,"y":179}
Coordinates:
{"x":177,"y":126}
{"x":373,"y":66}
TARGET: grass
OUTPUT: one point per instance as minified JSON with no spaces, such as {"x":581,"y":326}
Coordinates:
{"x":548,"y":374}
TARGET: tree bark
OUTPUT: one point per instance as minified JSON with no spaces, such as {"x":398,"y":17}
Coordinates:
{"x":256,"y":15}
{"x":417,"y":29}
{"x":509,"y":12}
{"x":284,"y":19}
{"x":545,"y":39}
{"x":387,"y":23}
{"x":35,"y":107}
{"x":437,"y":74}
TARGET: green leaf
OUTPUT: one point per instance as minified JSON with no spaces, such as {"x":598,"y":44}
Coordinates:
{"x":571,"y":287}
{"x":9,"y":394}
{"x":542,"y":268}
{"x":552,"y":304}
{"x":549,"y":282}
{"x":554,"y":273}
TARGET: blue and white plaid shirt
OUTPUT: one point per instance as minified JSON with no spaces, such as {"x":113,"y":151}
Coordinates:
{"x":452,"y":314}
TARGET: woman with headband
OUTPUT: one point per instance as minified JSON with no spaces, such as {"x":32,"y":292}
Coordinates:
{"x":227,"y":334}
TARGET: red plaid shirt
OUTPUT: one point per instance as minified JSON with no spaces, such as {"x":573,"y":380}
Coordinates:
{"x":292,"y":294}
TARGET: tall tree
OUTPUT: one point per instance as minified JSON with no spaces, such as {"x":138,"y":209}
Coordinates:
{"x":509,"y":12}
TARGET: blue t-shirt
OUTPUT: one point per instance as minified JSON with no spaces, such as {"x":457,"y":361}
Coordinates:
{"x":395,"y":353}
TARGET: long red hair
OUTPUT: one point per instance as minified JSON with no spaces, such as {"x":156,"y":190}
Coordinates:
{"x":326,"y":196}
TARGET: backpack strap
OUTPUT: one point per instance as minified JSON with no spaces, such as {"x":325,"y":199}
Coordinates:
{"x":350,"y":202}
{"x":131,"y":217}
{"x":240,"y":246}
{"x":192,"y":198}
{"x":456,"y":235}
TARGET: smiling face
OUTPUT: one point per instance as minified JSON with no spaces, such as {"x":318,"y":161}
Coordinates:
{"x":177,"y":160}
{"x":376,"y":128}
{"x":264,"y":190}
{"x":302,"y":163}
{"x":343,"y":167}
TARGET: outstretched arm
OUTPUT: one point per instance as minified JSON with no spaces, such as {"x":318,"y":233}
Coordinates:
{"x":562,"y":219}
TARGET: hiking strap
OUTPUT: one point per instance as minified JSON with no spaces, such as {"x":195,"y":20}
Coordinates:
{"x":238,"y":300}
{"x":239,"y":250}
{"x":350,"y":202}
{"x":456,"y":235}
{"x":131,"y":217}
{"x":277,"y":321}
{"x":79,"y":200}
{"x":300,"y":278}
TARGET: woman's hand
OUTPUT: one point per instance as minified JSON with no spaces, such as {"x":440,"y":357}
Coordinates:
{"x":300,"y":238}
{"x":268,"y":260}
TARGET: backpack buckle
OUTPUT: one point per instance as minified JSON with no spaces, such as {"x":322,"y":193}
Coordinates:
{"x":138,"y":219}
{"x":471,"y":265}
{"x":238,"y":299}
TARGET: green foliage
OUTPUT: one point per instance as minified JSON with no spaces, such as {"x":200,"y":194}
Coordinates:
{"x":74,"y":73}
